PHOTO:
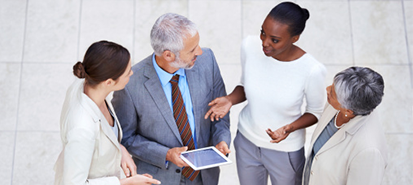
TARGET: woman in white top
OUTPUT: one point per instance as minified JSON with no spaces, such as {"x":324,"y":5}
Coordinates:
{"x":277,"y":76}
{"x":89,"y":128}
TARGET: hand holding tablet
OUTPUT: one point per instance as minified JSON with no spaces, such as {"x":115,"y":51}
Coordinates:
{"x":204,"y":158}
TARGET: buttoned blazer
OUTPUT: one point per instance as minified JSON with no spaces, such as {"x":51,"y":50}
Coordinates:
{"x":149,"y":125}
{"x":91,"y":152}
{"x":356,"y":154}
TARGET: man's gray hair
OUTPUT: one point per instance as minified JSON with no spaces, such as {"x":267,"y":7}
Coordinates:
{"x":359,"y":89}
{"x":169,"y":31}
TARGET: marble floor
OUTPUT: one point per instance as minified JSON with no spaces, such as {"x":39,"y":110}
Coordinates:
{"x":40,"y":40}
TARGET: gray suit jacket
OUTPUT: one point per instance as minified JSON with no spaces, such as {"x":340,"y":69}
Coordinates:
{"x":149,"y":128}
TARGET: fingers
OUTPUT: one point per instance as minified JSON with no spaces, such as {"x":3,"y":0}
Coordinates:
{"x":217,"y":117}
{"x":208,"y":113}
{"x":223,"y":147}
{"x":173,"y":155}
{"x":153,"y":181}
{"x":125,"y":170}
{"x":225,"y":151}
{"x":133,"y":169}
{"x":213,"y":102}
{"x":147,"y":175}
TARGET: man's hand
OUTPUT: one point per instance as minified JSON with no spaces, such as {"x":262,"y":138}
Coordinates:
{"x":173,"y":156}
{"x":280,"y":134}
{"x":219,"y":108}
{"x":223,"y":147}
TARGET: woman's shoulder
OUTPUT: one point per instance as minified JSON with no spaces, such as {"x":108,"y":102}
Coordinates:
{"x":370,"y":133}
{"x":308,"y":61}
{"x":78,"y":117}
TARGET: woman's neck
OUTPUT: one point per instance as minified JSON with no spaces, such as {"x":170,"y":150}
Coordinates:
{"x":343,"y":119}
{"x":293,"y":53}
{"x":97,"y":94}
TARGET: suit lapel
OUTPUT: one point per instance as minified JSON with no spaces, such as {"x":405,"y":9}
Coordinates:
{"x":338,"y":137}
{"x":120,"y":135}
{"x":153,"y":85}
{"x":350,"y":129}
{"x":192,"y":76}
{"x":93,"y":109}
{"x":104,"y":125}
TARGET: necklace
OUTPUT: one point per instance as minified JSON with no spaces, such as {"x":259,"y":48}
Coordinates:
{"x":335,"y":121}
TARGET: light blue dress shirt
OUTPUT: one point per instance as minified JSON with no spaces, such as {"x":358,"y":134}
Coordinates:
{"x":165,"y":77}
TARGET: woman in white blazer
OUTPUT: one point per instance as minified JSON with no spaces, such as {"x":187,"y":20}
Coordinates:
{"x":348,"y":144}
{"x":89,"y":128}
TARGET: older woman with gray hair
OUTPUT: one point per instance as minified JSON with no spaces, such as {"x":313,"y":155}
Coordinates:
{"x":348,"y":145}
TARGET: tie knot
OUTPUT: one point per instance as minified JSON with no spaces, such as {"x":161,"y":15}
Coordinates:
{"x":175,"y":79}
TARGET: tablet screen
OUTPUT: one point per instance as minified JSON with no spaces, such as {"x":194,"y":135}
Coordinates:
{"x":204,"y":158}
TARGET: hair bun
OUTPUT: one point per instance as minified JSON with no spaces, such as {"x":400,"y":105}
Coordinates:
{"x":79,"y":70}
{"x":306,"y":13}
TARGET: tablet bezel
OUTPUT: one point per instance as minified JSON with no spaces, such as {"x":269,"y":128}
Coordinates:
{"x":227,"y":161}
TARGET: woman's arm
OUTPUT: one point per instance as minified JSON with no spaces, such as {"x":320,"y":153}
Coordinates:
{"x":78,"y":154}
{"x":220,"y":106}
{"x":280,"y":134}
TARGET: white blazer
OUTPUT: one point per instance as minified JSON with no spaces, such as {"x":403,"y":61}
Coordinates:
{"x":91,"y":152}
{"x":356,"y":154}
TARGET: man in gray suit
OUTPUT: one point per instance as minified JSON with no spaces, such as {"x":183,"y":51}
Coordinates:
{"x":148,"y":107}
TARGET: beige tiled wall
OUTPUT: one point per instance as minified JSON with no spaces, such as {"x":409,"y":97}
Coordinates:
{"x":41,"y":40}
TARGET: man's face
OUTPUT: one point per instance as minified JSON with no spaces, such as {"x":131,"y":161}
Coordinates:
{"x":187,"y":56}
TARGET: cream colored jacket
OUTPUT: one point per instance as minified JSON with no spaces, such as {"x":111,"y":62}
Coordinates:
{"x":91,"y":152}
{"x":356,"y":154}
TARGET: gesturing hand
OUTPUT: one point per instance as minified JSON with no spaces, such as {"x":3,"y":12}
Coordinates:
{"x":173,"y":156}
{"x":219,"y":108}
{"x":280,"y":134}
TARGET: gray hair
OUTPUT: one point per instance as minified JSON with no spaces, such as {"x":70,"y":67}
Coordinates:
{"x":169,"y":31}
{"x":359,"y":89}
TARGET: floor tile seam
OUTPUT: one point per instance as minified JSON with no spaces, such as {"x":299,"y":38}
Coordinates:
{"x":406,"y":38}
{"x":79,"y":29}
{"x":10,"y":61}
{"x":242,"y":19}
{"x":9,"y":131}
{"x":133,"y":29}
{"x":351,"y":32}
{"x":19,"y":92}
{"x":399,"y":133}
{"x":38,"y":131}
{"x":44,"y":62}
{"x":384,"y":64}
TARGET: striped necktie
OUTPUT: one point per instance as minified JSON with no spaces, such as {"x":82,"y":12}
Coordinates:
{"x":182,"y":122}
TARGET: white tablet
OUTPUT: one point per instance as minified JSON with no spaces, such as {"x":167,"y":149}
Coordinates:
{"x":204,"y":158}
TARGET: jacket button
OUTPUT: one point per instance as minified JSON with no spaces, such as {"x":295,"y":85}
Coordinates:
{"x":178,"y":171}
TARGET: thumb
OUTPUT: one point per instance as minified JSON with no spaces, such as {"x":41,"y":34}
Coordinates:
{"x":183,"y":149}
{"x":212,"y":102}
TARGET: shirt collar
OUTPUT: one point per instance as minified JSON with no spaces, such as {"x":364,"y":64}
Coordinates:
{"x":164,"y":76}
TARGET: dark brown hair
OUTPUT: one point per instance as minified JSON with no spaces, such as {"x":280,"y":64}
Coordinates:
{"x":103,"y":60}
